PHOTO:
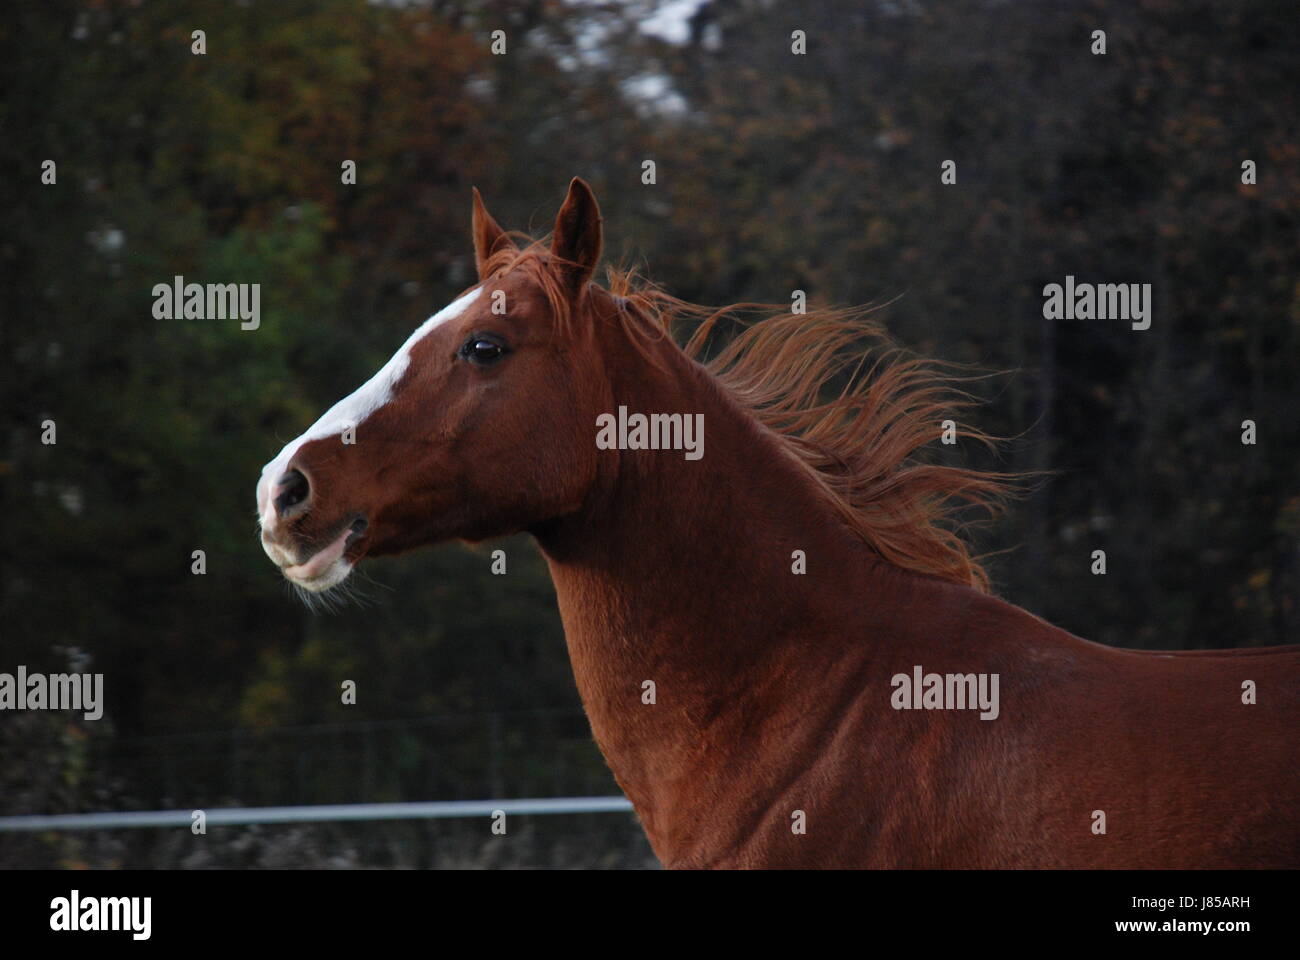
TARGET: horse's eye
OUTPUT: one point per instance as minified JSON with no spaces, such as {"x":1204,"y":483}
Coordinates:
{"x":482,"y":350}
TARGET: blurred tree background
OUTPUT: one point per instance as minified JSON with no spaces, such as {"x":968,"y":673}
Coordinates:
{"x":774,"y":172}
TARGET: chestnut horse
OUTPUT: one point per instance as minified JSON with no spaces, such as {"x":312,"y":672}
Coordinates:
{"x":787,"y":656}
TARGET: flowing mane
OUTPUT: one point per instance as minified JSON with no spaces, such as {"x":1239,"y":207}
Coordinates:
{"x":755,"y":715}
{"x":853,"y":407}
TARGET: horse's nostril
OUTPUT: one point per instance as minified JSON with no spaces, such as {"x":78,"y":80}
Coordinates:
{"x":293,"y":490}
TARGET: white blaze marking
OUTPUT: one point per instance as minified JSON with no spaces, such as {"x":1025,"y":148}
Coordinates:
{"x":359,"y":404}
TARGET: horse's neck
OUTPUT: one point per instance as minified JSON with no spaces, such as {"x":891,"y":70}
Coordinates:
{"x":682,"y":574}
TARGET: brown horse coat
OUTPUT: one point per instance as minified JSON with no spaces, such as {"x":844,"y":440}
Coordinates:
{"x":738,"y":623}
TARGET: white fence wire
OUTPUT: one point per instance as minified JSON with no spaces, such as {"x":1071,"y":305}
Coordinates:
{"x":316,"y":813}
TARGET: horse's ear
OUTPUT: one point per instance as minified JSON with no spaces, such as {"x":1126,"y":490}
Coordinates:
{"x":488,"y":235}
{"x":577,"y":238}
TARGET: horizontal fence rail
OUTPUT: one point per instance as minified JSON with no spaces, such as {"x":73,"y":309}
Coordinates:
{"x":315,"y":813}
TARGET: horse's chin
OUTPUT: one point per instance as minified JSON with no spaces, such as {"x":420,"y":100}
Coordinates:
{"x":329,"y":566}
{"x":334,"y":574}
